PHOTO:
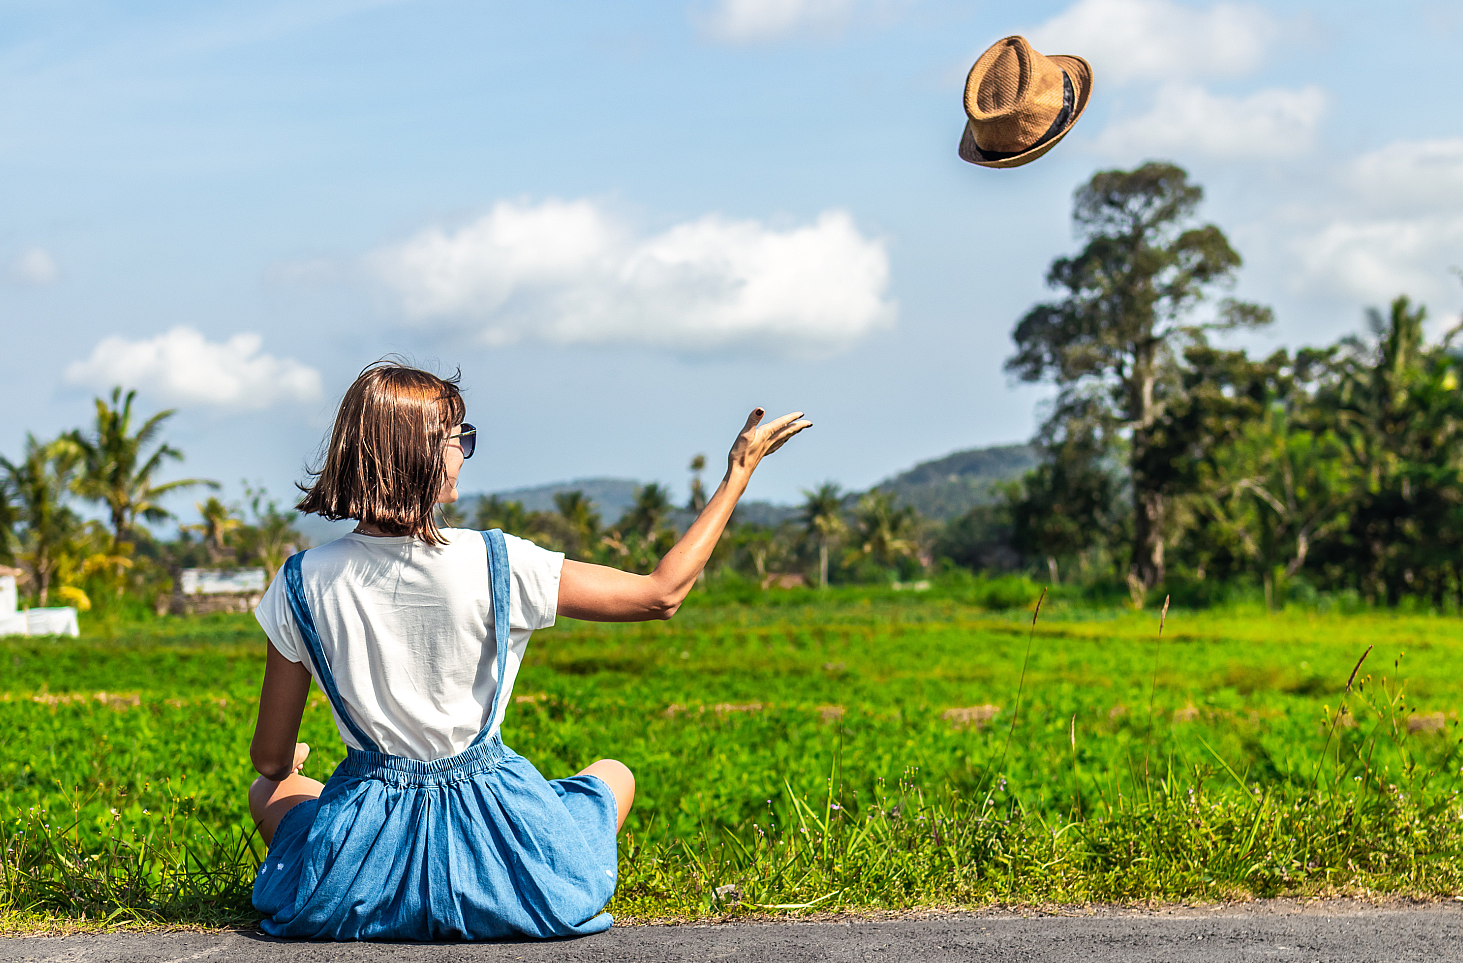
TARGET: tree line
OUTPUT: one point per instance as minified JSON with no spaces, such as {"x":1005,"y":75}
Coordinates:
{"x":113,"y":467}
{"x":1168,"y":460}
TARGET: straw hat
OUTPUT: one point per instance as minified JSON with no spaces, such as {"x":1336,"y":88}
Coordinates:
{"x":1020,"y":103}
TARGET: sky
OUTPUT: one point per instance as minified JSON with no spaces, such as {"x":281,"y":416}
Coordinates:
{"x":628,"y":224}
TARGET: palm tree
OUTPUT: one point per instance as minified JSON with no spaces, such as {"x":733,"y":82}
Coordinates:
{"x":887,"y":532}
{"x":9,"y":516}
{"x":219,"y":521}
{"x":583,"y":521}
{"x":39,"y":484}
{"x":647,"y":515}
{"x":823,"y":519}
{"x":698,"y":489}
{"x":272,"y":537}
{"x":494,"y":512}
{"x":118,"y":472}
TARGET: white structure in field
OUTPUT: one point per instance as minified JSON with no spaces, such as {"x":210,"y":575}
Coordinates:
{"x":212,"y":581}
{"x":11,"y":621}
{"x":48,"y":621}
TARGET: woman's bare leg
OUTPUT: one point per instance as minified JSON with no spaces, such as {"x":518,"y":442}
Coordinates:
{"x":270,"y":800}
{"x":621,"y":780}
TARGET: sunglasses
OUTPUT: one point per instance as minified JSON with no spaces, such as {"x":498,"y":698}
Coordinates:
{"x":467,"y":440}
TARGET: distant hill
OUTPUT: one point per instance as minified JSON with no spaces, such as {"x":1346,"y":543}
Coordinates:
{"x":611,"y":496}
{"x":948,"y":487}
{"x":943,"y":489}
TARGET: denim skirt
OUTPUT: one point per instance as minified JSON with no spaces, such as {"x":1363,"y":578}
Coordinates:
{"x":475,"y":846}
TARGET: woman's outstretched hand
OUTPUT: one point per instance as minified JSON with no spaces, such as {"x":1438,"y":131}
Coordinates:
{"x":607,"y":595}
{"x":757,"y":440}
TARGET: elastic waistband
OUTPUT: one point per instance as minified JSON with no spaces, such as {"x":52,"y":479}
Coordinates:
{"x":399,"y":770}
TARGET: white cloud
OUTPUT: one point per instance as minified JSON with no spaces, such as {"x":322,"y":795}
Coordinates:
{"x":1159,"y":39}
{"x":1422,"y":175}
{"x":182,"y":366}
{"x":569,"y":273}
{"x":35,"y":267}
{"x":754,"y":21}
{"x":1397,"y":227}
{"x":1376,"y":260}
{"x":1188,"y":120}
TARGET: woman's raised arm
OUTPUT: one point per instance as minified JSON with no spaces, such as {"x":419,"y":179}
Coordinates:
{"x":598,"y":593}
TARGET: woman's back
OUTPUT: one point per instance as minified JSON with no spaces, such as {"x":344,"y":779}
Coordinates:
{"x":406,"y":628}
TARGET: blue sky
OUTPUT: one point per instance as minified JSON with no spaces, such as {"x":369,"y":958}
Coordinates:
{"x":630,"y":223}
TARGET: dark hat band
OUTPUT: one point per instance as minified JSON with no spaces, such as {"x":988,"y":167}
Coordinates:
{"x":1069,"y":100}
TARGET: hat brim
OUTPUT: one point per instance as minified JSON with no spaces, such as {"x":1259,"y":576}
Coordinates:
{"x":1080,"y":71}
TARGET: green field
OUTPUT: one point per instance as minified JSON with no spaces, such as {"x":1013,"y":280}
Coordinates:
{"x":803,"y":751}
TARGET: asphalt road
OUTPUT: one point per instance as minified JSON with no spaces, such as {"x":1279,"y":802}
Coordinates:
{"x":1335,"y":931}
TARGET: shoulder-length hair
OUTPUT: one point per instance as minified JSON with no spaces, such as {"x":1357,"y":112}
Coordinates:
{"x":385,"y":464}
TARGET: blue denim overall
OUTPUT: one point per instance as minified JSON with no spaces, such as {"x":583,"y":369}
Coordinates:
{"x":474,"y":846}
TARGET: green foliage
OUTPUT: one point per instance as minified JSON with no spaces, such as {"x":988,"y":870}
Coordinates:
{"x":1113,"y":344}
{"x":40,"y":483}
{"x":118,"y":470}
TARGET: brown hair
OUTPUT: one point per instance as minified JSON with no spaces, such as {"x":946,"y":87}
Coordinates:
{"x":384,"y":464}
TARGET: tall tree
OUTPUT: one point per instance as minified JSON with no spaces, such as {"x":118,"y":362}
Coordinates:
{"x":1112,"y":343}
{"x":40,"y":483}
{"x":822,"y":515}
{"x":118,"y":469}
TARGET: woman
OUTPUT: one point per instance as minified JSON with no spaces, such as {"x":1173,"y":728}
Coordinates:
{"x":431,"y":828}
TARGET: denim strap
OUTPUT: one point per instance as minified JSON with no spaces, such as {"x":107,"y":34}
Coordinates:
{"x":498,"y":579}
{"x":295,"y":592}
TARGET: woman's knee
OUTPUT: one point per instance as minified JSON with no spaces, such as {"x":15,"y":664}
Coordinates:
{"x":619,"y":778}
{"x":269,"y":801}
{"x":620,"y":772}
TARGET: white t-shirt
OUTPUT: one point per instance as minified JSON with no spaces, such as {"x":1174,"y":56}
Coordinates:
{"x":407,"y":630}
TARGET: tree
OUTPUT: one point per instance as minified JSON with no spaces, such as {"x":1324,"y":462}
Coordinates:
{"x":822,"y":516}
{"x":647,"y":516}
{"x":698,"y":488}
{"x":493,"y":512}
{"x":40,"y":483}
{"x":581,"y":520}
{"x":981,"y":539}
{"x":884,"y":532}
{"x":1112,"y":343}
{"x":1065,"y":505}
{"x":1277,"y":489}
{"x":219,"y":521}
{"x":270,"y":538}
{"x":118,"y":470}
{"x":9,"y":516}
{"x":1395,"y":402}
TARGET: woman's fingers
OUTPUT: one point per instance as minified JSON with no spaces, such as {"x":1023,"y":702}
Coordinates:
{"x":781,"y":423}
{"x":786,"y":435}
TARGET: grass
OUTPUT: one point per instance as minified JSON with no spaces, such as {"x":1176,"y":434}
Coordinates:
{"x":839,"y":751}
